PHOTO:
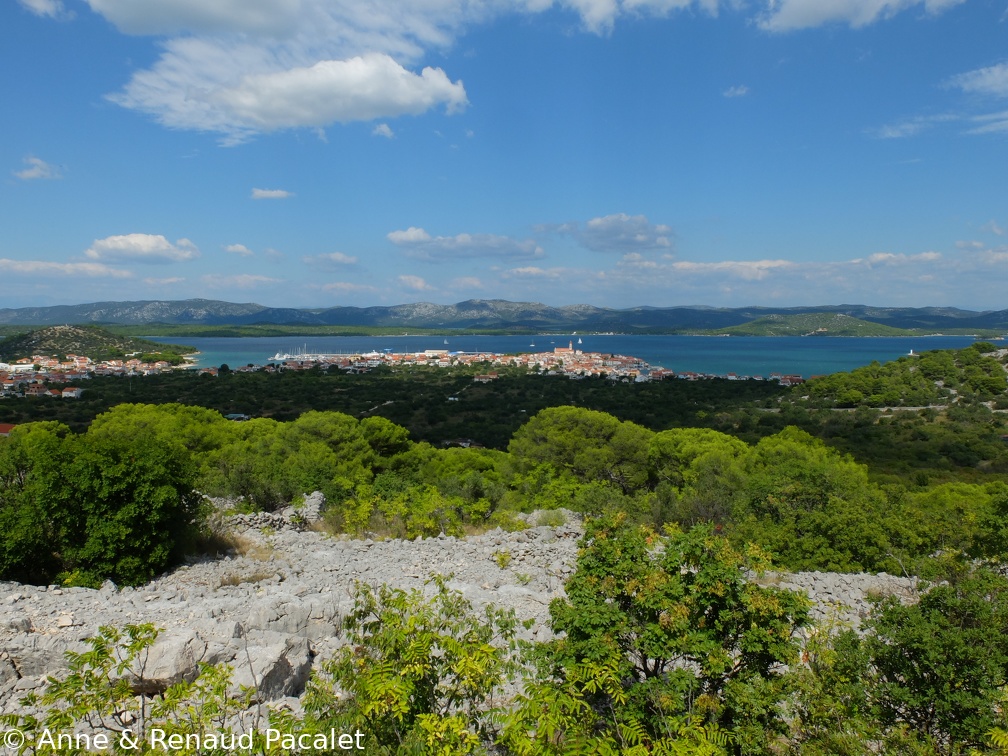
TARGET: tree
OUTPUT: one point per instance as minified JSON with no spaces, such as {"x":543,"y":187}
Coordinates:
{"x":587,"y":444}
{"x":940,"y":666}
{"x":666,"y":632}
{"x":93,"y":507}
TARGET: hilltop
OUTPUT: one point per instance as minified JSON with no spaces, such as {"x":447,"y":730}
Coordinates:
{"x":87,"y":341}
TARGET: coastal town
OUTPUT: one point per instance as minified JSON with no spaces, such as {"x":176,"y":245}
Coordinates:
{"x":48,"y":376}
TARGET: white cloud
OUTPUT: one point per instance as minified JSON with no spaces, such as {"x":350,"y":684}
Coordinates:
{"x":411,"y":235}
{"x":337,"y":258}
{"x":239,"y":249}
{"x":990,"y":123}
{"x":163,"y":281}
{"x":789,"y":15}
{"x":749,"y":270}
{"x":414,"y":283}
{"x":912,"y":126}
{"x":740,"y":90}
{"x":346,"y":287}
{"x":466,"y":282}
{"x":270,"y":17}
{"x":418,"y":243}
{"x":37,"y":169}
{"x":262,"y":194}
{"x":383,"y":130}
{"x":358,"y":89}
{"x":239,"y":88}
{"x":46,"y":268}
{"x":147,"y":248}
{"x":238,"y":281}
{"x":890,"y":259}
{"x":619,"y":233}
{"x":533,"y":271}
{"x":992,"y":81}
{"x":50,"y":8}
{"x":597,"y":15}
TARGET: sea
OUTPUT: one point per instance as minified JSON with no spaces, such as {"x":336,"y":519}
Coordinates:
{"x":714,"y":355}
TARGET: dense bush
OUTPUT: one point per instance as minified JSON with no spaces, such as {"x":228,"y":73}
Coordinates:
{"x":83,"y":509}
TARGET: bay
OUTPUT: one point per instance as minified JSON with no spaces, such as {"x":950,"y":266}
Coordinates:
{"x":715,"y":355}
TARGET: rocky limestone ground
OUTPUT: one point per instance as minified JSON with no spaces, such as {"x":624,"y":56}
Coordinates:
{"x":274,"y":612}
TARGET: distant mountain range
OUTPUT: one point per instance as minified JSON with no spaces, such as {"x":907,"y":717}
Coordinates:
{"x":493,"y":314}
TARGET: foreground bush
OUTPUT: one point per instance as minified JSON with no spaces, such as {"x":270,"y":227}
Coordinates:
{"x":83,"y":509}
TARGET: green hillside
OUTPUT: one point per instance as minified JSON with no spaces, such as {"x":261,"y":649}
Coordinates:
{"x":813,"y":324}
{"x":89,"y":341}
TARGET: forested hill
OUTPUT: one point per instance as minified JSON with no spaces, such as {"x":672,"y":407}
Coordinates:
{"x":941,"y":377}
{"x":85,"y":341}
{"x":500,"y":315}
{"x":814,"y":324}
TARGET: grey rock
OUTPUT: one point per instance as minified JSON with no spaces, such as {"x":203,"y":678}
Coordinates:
{"x":277,"y":670}
{"x":173,"y":658}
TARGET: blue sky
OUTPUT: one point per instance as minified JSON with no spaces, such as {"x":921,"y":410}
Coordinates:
{"x":314,"y":153}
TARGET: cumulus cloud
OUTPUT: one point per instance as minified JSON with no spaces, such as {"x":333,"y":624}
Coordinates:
{"x":619,"y":233}
{"x":358,"y":89}
{"x":47,"y":268}
{"x":740,"y":90}
{"x":330,"y":258}
{"x":239,"y":249}
{"x":266,"y":194}
{"x":37,"y":169}
{"x":383,"y":130}
{"x":420,"y":244}
{"x":789,"y":15}
{"x":239,"y":88}
{"x":414,"y":283}
{"x":146,"y":248}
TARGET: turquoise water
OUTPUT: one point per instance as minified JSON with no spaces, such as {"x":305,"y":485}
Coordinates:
{"x":805,"y":356}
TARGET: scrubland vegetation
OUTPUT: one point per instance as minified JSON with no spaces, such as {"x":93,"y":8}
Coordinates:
{"x":665,"y":645}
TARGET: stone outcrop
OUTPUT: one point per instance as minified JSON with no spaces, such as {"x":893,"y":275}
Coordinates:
{"x":274,"y":611}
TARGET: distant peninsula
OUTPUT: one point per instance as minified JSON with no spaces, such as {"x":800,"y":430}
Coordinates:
{"x":205,"y":317}
{"x":88,"y":341}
